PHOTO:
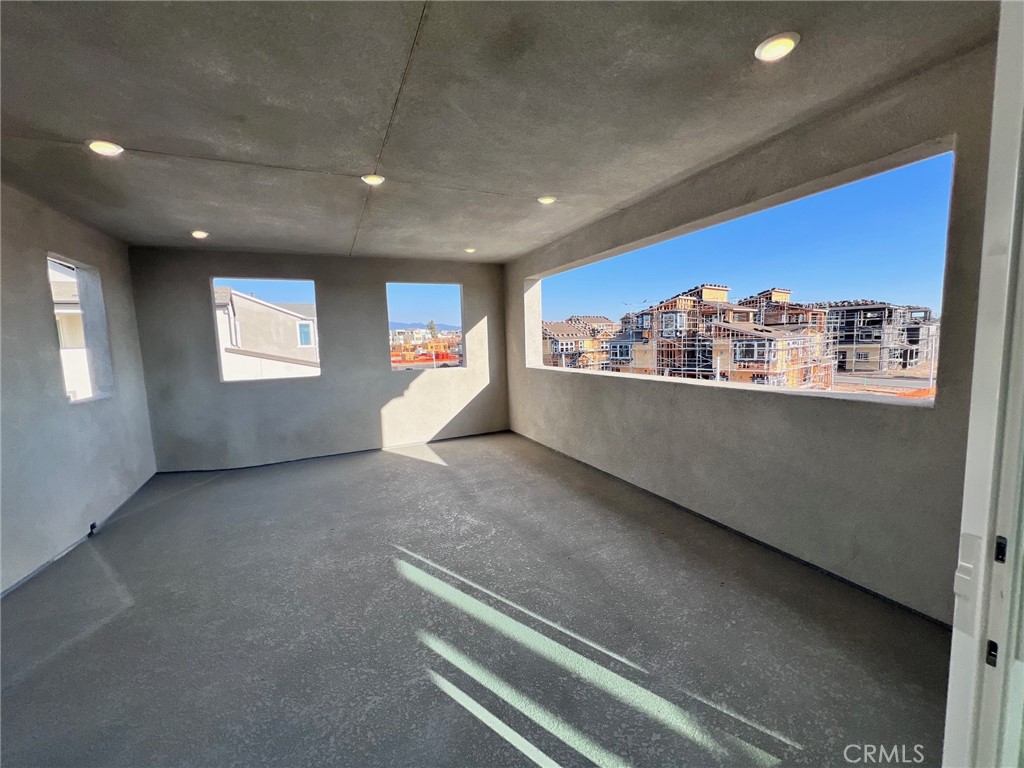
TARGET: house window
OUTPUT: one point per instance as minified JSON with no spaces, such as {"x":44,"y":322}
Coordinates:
{"x":265,"y":328}
{"x":82,"y":337}
{"x":425,"y":326}
{"x":862,"y":355}
{"x":749,"y":351}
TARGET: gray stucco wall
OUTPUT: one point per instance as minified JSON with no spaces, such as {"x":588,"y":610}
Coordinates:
{"x":356,"y":403}
{"x":65,"y":465}
{"x":870,"y":491}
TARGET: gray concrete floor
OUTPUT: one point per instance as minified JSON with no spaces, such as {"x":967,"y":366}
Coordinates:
{"x":259,"y":617}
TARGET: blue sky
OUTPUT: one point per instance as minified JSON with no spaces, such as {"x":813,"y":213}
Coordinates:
{"x":407,"y":302}
{"x":274,"y":291}
{"x":882,"y":238}
{"x":421,"y":302}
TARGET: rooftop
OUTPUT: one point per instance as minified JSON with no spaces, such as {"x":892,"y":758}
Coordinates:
{"x":591,"y":319}
{"x":564,"y":330}
{"x":766,"y":331}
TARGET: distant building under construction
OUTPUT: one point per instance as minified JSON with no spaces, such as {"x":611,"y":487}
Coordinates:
{"x":700,"y":334}
{"x":763,"y":339}
{"x":581,"y":341}
{"x":873,"y":336}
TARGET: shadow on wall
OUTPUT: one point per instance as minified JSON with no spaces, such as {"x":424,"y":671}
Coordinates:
{"x":358,"y":402}
{"x":430,"y":407}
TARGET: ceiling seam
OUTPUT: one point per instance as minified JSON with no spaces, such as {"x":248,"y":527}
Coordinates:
{"x":296,"y":168}
{"x":387,"y":129}
{"x":401,"y":84}
{"x":316,"y":171}
{"x":359,"y":221}
{"x":201,"y":158}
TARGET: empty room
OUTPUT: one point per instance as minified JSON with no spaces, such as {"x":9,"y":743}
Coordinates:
{"x":480,"y":384}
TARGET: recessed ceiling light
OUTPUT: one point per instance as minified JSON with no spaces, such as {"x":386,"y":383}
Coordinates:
{"x":105,"y":148}
{"x":469,"y":250}
{"x":198,"y":234}
{"x":777,"y":46}
{"x":373,"y":179}
{"x":546,"y":200}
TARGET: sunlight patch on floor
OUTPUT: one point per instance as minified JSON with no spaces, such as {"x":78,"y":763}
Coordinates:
{"x":485,"y":716}
{"x":518,"y":700}
{"x":420,"y":451}
{"x":521,"y":609}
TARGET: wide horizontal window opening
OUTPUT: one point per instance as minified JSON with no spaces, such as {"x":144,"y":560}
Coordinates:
{"x":266,"y":328}
{"x":861,"y":314}
{"x":82,"y":336}
{"x":425,"y":326}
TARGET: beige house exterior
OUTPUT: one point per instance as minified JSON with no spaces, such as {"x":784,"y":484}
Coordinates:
{"x":564,"y":344}
{"x":700,"y":334}
{"x":67,"y":311}
{"x":579,"y":342}
{"x":260,"y":340}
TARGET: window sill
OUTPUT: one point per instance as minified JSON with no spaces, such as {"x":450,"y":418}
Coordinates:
{"x":449,"y":369}
{"x":94,"y":399}
{"x":312,"y":377}
{"x":866,"y":397}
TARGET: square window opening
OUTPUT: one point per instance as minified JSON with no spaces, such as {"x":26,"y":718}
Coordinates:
{"x":425,"y":326}
{"x":265,"y":328}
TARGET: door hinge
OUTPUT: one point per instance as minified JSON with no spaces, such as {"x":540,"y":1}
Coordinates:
{"x":1000,"y":549}
{"x":992,"y":654}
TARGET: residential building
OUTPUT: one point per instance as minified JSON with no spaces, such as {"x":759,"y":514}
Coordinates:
{"x":774,"y":306}
{"x":580,"y":341}
{"x":420,"y":350}
{"x":567,"y":345}
{"x":409,"y":335}
{"x":793,"y":356}
{"x":257,"y":339}
{"x":876,"y":336}
{"x":597,"y":323}
{"x":700,"y":334}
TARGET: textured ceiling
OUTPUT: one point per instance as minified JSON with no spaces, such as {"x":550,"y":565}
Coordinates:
{"x":255,"y":120}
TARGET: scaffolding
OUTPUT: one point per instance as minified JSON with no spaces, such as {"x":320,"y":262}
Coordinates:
{"x":769,"y":340}
{"x":708,"y":341}
{"x":873,"y":336}
{"x":577,"y":344}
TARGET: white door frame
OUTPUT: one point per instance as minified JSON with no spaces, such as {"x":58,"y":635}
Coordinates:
{"x":985,"y":703}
